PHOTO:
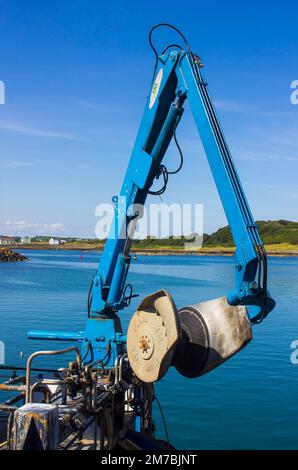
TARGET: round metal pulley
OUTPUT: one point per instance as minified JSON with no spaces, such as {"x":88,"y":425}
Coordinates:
{"x":153,"y":332}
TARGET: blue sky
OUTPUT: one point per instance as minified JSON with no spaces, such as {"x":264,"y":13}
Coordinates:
{"x":77,"y":74}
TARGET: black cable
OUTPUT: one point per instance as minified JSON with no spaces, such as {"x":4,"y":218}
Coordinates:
{"x":87,"y":351}
{"x":174,"y":172}
{"x":177,"y":46}
{"x":265,"y":273}
{"x":89,"y":300}
{"x":127,"y":297}
{"x":263,"y":269}
{"x":100,"y":361}
{"x":164,"y":172}
{"x":163,"y":418}
{"x":259,"y":265}
{"x":167,"y":25}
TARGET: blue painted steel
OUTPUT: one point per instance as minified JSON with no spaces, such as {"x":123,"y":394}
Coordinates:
{"x":55,"y":335}
{"x":102,"y":341}
{"x":181,"y":79}
{"x":243,"y":227}
{"x":138,"y":423}
{"x":109,"y":282}
{"x":178,"y":77}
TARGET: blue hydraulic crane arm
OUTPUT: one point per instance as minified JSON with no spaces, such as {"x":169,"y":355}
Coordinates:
{"x":160,"y":118}
{"x":178,"y":77}
{"x":250,"y":255}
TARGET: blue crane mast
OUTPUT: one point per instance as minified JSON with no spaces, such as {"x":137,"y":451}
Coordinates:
{"x":178,"y":77}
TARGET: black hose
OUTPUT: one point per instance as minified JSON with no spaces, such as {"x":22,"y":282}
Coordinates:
{"x":167,"y":25}
{"x":164,"y":172}
{"x":163,"y":418}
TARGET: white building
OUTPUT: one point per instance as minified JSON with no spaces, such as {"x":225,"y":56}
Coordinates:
{"x":25,"y":240}
{"x":53,"y":241}
{"x":8,"y":240}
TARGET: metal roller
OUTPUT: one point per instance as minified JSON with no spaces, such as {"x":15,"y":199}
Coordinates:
{"x":212,"y":332}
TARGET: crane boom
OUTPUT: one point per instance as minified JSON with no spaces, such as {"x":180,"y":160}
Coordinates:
{"x":179,"y":77}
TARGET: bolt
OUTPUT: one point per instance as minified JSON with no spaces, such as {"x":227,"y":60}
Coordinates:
{"x":100,"y":339}
{"x":254,"y":285}
{"x":144,"y":345}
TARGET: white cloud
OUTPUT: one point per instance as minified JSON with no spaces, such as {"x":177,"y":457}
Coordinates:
{"x":253,"y":109}
{"x":13,"y":227}
{"x":233,"y":106}
{"x":281,"y":190}
{"x":18,"y":128}
{"x":277,"y":143}
{"x":264,"y":154}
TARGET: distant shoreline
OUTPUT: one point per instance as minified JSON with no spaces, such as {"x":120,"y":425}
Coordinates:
{"x":205,"y":251}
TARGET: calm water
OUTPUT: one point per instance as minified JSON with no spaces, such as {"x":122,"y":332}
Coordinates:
{"x":248,"y":403}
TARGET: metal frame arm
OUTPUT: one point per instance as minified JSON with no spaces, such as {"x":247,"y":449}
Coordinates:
{"x":161,"y":116}
{"x":179,"y":77}
{"x":242,"y":225}
{"x":250,"y":254}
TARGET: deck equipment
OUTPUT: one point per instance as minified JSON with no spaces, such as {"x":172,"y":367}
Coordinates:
{"x":103,"y":399}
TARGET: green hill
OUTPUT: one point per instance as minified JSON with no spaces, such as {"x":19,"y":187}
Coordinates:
{"x":271,"y":231}
{"x":171,"y":242}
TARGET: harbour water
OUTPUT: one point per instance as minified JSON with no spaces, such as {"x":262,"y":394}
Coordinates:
{"x":250,"y":402}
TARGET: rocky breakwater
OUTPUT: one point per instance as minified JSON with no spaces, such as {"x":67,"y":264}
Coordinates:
{"x":8,"y":255}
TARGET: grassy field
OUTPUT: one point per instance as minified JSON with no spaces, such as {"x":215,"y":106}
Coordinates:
{"x":282,"y":248}
{"x":279,"y":236}
{"x":277,"y":249}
